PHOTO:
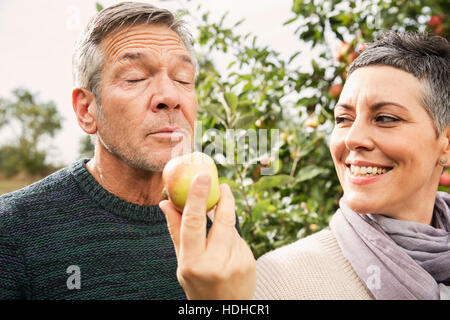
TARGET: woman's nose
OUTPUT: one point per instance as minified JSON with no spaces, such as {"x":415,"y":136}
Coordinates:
{"x":359,"y":137}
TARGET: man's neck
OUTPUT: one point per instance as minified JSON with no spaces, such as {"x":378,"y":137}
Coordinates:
{"x":130,"y":184}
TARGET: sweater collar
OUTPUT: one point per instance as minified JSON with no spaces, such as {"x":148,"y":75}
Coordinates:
{"x":109,"y":201}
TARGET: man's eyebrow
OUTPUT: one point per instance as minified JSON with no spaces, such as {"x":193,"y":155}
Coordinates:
{"x":373,"y":107}
{"x":139,"y":56}
{"x":185,"y":58}
{"x":132,"y":56}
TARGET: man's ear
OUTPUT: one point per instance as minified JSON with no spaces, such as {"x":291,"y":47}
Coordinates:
{"x":85,"y":107}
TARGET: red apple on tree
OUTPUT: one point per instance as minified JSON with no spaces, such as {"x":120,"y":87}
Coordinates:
{"x":352,"y":56}
{"x":335,"y":91}
{"x":435,"y":21}
{"x":343,"y":49}
{"x":445,"y":180}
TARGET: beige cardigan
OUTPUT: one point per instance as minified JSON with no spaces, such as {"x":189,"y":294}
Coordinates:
{"x":310,"y":268}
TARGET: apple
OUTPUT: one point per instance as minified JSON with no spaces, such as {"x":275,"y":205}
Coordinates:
{"x":439,"y":30}
{"x":266,"y":162}
{"x":259,"y":122}
{"x":352,"y":56}
{"x":445,"y":179}
{"x":284,"y":136}
{"x":361,"y":47}
{"x":335,"y":91}
{"x":435,"y":21}
{"x":179,"y":173}
{"x":342,"y":51}
{"x":312,"y":122}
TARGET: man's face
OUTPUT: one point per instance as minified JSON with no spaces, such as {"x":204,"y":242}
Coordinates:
{"x":148,"y":100}
{"x":381,"y":124}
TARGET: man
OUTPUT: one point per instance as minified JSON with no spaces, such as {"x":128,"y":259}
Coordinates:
{"x":94,"y":230}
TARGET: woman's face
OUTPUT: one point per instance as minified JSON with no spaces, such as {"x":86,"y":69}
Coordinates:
{"x":384,"y":145}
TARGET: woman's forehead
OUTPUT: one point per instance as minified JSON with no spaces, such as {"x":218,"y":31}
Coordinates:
{"x":374,"y":84}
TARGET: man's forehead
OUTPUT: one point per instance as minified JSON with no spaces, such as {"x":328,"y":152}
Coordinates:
{"x":120,"y":44}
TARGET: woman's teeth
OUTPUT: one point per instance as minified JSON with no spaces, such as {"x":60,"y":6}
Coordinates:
{"x":367,"y":171}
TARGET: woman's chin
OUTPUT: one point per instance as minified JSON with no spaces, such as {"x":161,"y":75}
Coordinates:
{"x":361,"y":205}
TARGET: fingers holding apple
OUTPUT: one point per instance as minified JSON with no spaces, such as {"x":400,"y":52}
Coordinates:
{"x":220,"y":266}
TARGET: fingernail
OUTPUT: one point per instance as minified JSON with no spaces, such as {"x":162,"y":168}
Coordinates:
{"x":162,"y":203}
{"x":203,"y":180}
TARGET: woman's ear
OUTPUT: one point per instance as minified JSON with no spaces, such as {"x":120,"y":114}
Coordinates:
{"x":85,"y":107}
{"x":446,"y":150}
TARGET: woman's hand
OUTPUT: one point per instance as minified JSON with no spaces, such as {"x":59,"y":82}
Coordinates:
{"x":221,"y":266}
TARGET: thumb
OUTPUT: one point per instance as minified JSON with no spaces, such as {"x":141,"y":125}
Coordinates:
{"x":173,"y":218}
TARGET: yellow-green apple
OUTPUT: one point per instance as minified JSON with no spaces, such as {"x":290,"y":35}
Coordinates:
{"x":312,"y":122}
{"x":179,"y":173}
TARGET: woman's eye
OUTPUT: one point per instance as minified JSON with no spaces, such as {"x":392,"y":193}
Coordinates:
{"x":386,"y":119}
{"x":182,"y":82}
{"x":339,"y":120}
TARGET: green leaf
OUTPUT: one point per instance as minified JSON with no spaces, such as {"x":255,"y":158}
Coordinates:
{"x":231,"y":99}
{"x":290,"y":21}
{"x":309,"y":172}
{"x":231,"y":183}
{"x":238,"y":23}
{"x":98,"y":6}
{"x":268,"y":182}
{"x":244,"y":121}
{"x":293,"y":56}
{"x":214,"y":111}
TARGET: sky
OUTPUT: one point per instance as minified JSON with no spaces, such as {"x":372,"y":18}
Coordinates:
{"x":38,"y":39}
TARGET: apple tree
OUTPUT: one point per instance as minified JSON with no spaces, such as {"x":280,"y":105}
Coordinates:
{"x":259,"y":90}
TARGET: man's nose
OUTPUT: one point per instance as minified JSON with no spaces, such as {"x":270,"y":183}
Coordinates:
{"x":165,"y":95}
{"x":359,"y":137}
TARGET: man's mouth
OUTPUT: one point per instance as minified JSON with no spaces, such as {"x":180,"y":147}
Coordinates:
{"x":172,"y":133}
{"x":164,"y":130}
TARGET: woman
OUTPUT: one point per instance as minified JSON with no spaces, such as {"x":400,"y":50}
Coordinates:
{"x":390,"y":238}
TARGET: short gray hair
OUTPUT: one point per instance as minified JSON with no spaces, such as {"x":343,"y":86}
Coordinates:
{"x":88,"y":60}
{"x":425,"y":56}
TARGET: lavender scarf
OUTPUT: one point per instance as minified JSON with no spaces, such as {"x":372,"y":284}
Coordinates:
{"x":398,"y":259}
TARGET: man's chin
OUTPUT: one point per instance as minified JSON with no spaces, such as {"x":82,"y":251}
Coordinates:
{"x":156,"y":160}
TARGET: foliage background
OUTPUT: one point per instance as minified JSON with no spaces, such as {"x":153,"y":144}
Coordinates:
{"x":257,"y":89}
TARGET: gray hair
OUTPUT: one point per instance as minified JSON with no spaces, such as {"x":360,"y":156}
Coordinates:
{"x":88,"y":59}
{"x":425,"y":56}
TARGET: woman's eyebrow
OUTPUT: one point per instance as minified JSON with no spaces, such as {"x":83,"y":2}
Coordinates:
{"x":343,"y":105}
{"x":373,"y":107}
{"x":381,"y":104}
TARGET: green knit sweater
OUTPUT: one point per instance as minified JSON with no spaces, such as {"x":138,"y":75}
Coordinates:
{"x":66,"y":237}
